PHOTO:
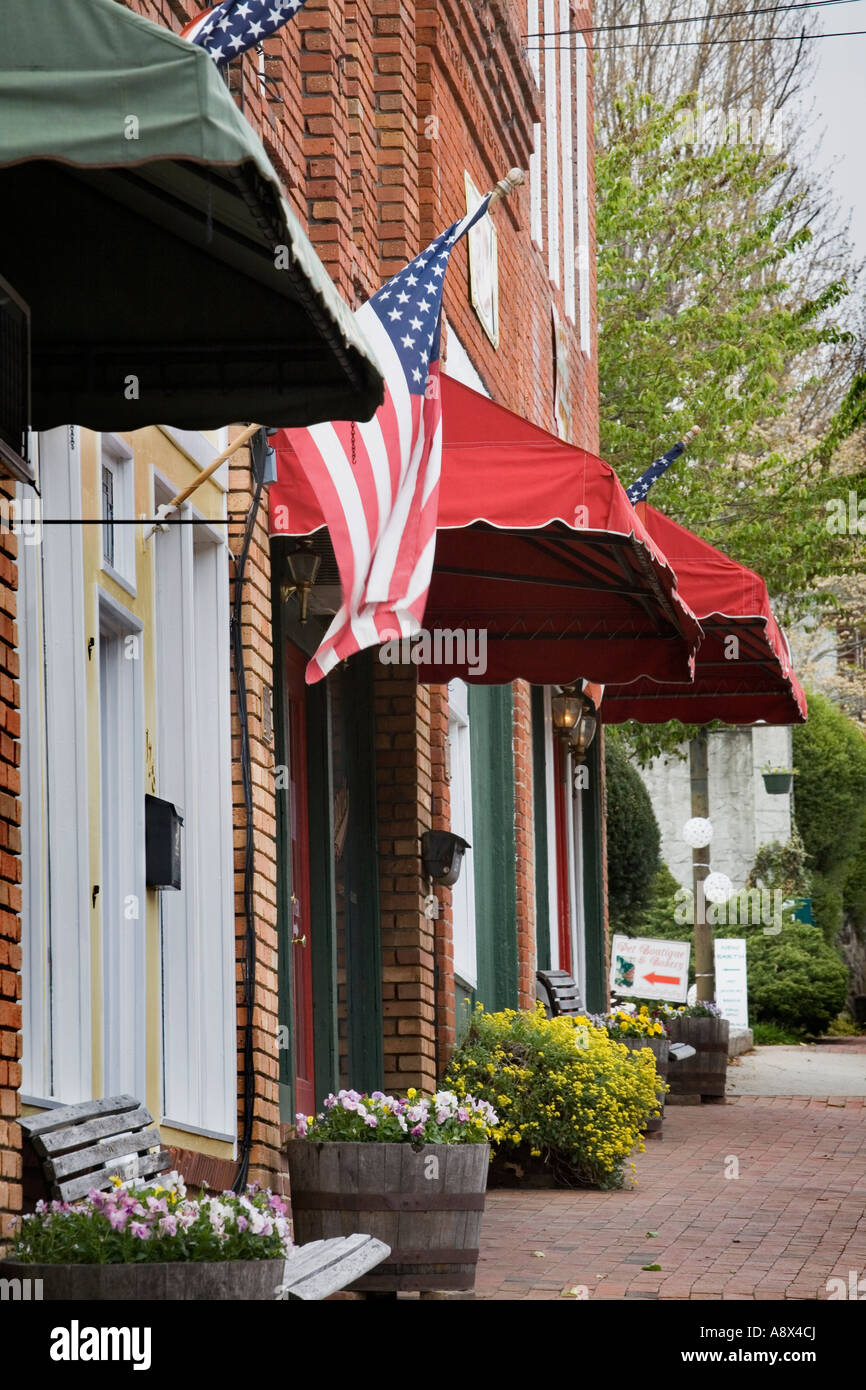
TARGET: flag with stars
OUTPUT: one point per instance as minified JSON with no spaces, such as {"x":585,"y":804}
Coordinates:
{"x":231,"y":28}
{"x":377,"y":483}
{"x":641,"y":486}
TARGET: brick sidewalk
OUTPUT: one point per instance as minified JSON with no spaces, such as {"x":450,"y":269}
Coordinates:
{"x":794,"y":1217}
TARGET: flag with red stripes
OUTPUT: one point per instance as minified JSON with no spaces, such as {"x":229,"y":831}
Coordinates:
{"x":378,"y":482}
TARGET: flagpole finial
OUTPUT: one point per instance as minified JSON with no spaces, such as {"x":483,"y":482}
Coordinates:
{"x":512,"y":180}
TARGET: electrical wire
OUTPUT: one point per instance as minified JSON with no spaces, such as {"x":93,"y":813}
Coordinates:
{"x":691,"y":19}
{"x":248,"y":979}
{"x":706,"y":43}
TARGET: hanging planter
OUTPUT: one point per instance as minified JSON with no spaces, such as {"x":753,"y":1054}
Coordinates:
{"x":778,"y":780}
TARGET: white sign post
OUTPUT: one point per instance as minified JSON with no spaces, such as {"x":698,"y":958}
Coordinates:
{"x":648,"y":969}
{"x":732,"y":995}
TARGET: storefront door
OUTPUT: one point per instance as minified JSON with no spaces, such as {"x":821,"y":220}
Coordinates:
{"x":299,"y":857}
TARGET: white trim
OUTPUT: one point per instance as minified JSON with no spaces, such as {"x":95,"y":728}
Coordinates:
{"x":56,"y":920}
{"x":567,"y":148}
{"x":536,"y":221}
{"x":122,"y":872}
{"x":118,"y":459}
{"x":460,"y":778}
{"x":193,"y":764}
{"x":551,"y":139}
{"x":583,"y":155}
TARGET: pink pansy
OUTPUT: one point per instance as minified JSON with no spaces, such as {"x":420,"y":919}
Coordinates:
{"x":117,"y":1219}
{"x":417,"y":1131}
{"x":168,"y":1225}
{"x":242,"y":1223}
{"x":139,"y":1229}
{"x":278,"y":1204}
{"x":371,"y":1121}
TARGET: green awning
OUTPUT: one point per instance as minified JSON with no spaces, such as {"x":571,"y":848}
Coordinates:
{"x":142,"y":222}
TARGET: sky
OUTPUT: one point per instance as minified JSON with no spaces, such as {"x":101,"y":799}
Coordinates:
{"x":839,"y":93}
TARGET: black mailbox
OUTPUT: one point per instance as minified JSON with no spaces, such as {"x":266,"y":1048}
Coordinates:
{"x":162,"y":825}
{"x":442,"y":854}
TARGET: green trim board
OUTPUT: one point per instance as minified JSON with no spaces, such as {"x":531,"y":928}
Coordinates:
{"x":494,"y":847}
{"x":593,"y":882}
{"x":366,"y":1061}
{"x":540,"y":829}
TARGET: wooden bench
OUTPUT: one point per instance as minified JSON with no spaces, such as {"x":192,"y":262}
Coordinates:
{"x":83,"y":1146}
{"x":558,"y":992}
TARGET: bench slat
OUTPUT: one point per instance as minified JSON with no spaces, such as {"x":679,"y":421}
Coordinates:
{"x":66,"y":1165}
{"x":76,"y":1136}
{"x":65,"y":1115}
{"x":314,"y":1271}
{"x":148,"y":1166}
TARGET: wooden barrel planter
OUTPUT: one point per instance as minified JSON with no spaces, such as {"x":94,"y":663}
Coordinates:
{"x":181,"y":1281}
{"x":425,"y":1203}
{"x":704,"y":1074}
{"x":659,"y":1047}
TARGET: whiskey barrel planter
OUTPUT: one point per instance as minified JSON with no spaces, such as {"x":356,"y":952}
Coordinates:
{"x":659,"y":1047}
{"x":704,"y":1074}
{"x":425,"y":1203}
{"x":179,"y":1281}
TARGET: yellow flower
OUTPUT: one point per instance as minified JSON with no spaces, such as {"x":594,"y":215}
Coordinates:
{"x":411,"y":1093}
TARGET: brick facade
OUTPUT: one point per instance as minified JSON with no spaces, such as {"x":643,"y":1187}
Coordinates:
{"x":370,"y":112}
{"x":10,"y":881}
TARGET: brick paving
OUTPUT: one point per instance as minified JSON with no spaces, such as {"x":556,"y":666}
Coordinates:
{"x":794,"y":1217}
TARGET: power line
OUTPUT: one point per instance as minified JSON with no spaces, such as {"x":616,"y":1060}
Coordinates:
{"x":709,"y":43}
{"x":695,"y":19}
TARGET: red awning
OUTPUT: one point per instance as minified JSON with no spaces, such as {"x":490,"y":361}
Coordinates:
{"x":743,"y":670}
{"x":539,"y":548}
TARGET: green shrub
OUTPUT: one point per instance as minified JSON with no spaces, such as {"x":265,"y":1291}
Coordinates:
{"x":772,"y":1035}
{"x":782,"y":866}
{"x":563,"y":1090}
{"x":830,"y":802}
{"x":633,"y":839}
{"x":795,"y":979}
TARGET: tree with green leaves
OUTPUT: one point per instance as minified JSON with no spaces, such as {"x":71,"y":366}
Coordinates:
{"x":701,"y":322}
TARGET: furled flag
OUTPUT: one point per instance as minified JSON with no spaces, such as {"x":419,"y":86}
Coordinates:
{"x":377,"y":483}
{"x":231,"y":28}
{"x":641,"y":486}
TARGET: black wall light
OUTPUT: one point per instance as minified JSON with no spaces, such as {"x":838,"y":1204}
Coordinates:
{"x":442,"y":855}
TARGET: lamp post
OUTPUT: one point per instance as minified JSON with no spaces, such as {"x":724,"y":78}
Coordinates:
{"x":574,"y":720}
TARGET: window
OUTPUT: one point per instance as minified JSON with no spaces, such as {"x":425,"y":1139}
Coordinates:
{"x":533,"y":54}
{"x":118,"y":510}
{"x":193,"y":770}
{"x":460,"y":778}
{"x":566,"y":54}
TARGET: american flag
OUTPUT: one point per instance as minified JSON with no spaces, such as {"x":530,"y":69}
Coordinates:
{"x":378,"y":482}
{"x":231,"y":28}
{"x":641,"y":486}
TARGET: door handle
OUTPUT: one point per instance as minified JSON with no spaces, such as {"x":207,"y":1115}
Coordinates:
{"x":299,"y":940}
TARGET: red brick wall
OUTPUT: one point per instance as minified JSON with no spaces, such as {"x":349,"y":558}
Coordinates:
{"x":258,"y":663}
{"x":10,"y":885}
{"x":404,"y":791}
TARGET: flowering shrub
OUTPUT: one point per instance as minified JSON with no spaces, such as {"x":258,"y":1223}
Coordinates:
{"x":566,"y":1091}
{"x":154,"y":1224}
{"x":626,"y":1022}
{"x":444,"y":1119}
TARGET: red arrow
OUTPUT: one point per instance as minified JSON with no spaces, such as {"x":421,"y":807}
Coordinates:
{"x":663,"y":979}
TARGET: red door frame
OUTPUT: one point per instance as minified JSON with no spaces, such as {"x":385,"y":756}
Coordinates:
{"x":299,"y":858}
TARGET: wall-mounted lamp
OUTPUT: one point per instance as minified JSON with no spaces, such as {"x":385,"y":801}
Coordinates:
{"x":303,"y":565}
{"x":574,"y":720}
{"x":442,"y":855}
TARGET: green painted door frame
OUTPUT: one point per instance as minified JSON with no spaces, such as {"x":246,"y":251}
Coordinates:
{"x":593,"y":880}
{"x":494,"y":849}
{"x":541,"y":830}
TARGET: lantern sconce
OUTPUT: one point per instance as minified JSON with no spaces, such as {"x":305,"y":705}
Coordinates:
{"x":574,"y":720}
{"x":303,"y":566}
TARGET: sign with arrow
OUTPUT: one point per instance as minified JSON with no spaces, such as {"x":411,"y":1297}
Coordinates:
{"x":643,"y":968}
